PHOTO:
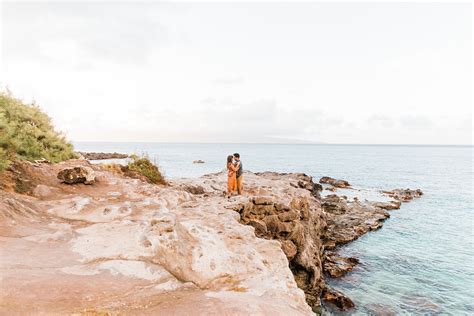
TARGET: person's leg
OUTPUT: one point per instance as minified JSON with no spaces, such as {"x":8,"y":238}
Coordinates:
{"x":230,"y":186}
{"x":239,"y":184}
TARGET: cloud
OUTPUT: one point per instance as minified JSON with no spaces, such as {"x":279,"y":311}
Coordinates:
{"x":415,"y":122}
{"x":378,"y":120}
{"x":80,"y":34}
{"x":231,"y":80}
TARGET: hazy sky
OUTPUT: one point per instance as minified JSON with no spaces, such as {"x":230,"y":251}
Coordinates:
{"x":336,"y":73}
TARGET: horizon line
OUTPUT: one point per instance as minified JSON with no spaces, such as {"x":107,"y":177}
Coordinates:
{"x":277,"y":143}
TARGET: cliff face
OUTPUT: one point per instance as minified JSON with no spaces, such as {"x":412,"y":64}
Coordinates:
{"x":124,"y":245}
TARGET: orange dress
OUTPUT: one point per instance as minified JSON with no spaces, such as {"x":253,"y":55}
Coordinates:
{"x":231,"y":178}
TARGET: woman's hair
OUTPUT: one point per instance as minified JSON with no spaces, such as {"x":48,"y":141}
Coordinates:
{"x":229,"y":158}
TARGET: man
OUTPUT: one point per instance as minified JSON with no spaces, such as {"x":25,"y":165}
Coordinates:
{"x":239,"y":174}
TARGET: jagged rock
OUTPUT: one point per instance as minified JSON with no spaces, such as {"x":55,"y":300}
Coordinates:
{"x":289,"y":216}
{"x":348,"y":220}
{"x":262,"y":200}
{"x":392,"y":205}
{"x":337,"y":266}
{"x":75,"y":175}
{"x":289,"y":249}
{"x":404,"y":195}
{"x":338,"y":299}
{"x":335,"y":182}
{"x":260,"y":227}
{"x":297,"y":223}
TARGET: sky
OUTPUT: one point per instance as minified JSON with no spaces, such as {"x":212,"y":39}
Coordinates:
{"x":352,"y":73}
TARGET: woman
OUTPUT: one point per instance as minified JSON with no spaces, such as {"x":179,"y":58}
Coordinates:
{"x":231,"y":175}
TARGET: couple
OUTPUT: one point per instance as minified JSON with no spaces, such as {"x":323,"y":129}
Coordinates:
{"x":234,"y":174}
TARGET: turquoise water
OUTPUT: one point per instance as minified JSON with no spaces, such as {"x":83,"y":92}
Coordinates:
{"x":420,"y":262}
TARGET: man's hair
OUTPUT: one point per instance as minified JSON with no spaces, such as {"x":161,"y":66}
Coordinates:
{"x":237,"y":155}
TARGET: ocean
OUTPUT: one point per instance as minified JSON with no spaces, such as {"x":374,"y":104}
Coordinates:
{"x":420,"y":262}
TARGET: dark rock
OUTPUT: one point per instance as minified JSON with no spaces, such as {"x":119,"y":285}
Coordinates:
{"x":77,"y":175}
{"x":404,"y":195}
{"x":199,"y":161}
{"x":260,"y":227}
{"x":335,"y":182}
{"x":348,"y":220}
{"x":392,"y":205}
{"x":338,"y":299}
{"x":101,"y":156}
{"x":337,"y":266}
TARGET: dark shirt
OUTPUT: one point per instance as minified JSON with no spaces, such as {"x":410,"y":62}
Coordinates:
{"x":240,"y":170}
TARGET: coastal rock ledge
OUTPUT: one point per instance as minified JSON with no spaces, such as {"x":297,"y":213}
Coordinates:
{"x":123,"y":245}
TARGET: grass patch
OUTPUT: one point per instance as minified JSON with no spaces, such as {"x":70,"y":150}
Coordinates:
{"x":146,"y":168}
{"x":26,"y":133}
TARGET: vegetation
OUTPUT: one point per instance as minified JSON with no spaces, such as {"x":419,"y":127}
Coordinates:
{"x":26,"y":133}
{"x":145,"y":167}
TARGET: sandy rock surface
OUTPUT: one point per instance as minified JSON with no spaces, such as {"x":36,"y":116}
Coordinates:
{"x":124,"y":245}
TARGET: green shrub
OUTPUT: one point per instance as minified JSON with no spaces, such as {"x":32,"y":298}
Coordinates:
{"x":26,"y":133}
{"x":145,"y":167}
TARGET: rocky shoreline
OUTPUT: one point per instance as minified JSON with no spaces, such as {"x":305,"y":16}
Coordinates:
{"x":102,"y":155}
{"x":121,"y":244}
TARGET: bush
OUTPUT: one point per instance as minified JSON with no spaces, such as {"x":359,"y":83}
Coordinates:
{"x":145,"y":167}
{"x":26,"y":133}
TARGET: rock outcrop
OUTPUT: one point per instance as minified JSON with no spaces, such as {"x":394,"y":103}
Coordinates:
{"x":404,"y":195}
{"x":334,"y":182}
{"x":81,"y":174}
{"x":338,"y":299}
{"x":296,"y":220}
{"x":348,"y":220}
{"x":102,"y":156}
{"x":123,"y":245}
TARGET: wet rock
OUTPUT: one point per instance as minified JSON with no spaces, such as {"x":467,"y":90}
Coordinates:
{"x":335,"y":182}
{"x":75,"y":175}
{"x":337,"y":299}
{"x":392,"y":205}
{"x":348,"y":220}
{"x":420,"y":305}
{"x":404,"y":195}
{"x":380,"y":310}
{"x":337,"y":266}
